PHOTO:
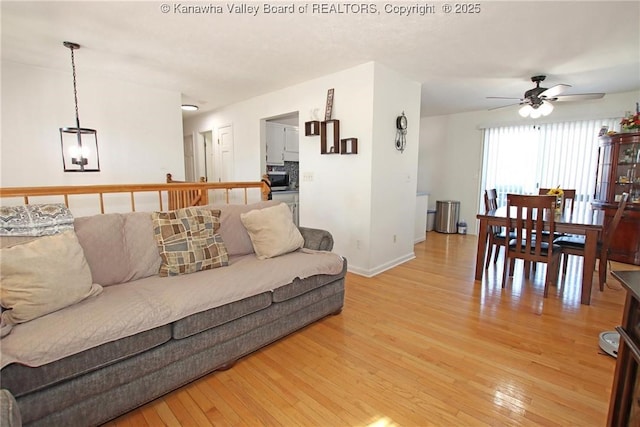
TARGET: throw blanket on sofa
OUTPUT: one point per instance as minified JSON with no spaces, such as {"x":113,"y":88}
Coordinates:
{"x":129,"y":308}
{"x":35,"y":220}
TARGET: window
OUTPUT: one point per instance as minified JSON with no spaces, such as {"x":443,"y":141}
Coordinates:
{"x":522,"y":159}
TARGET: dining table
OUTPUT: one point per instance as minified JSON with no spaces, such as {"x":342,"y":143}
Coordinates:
{"x":586,"y":222}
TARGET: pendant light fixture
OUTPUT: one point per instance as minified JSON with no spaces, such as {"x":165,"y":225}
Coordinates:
{"x":79,"y":145}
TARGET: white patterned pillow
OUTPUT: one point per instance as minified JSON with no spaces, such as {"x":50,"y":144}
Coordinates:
{"x":35,"y":220}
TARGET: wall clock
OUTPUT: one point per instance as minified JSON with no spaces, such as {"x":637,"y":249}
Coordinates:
{"x":401,"y":132}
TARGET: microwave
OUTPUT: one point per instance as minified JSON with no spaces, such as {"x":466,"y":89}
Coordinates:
{"x":279,"y":180}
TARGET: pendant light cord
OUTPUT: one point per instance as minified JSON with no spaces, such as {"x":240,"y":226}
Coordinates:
{"x":75,"y":90}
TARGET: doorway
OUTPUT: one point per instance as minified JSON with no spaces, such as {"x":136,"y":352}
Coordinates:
{"x":207,"y":168}
{"x":189,"y":159}
{"x":216,"y":154}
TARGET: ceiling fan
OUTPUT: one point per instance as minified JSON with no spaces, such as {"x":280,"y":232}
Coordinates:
{"x":538,"y":101}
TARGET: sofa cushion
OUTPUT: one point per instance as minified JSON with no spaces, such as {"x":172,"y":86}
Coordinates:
{"x":217,"y":316}
{"x":188,"y":241}
{"x":119,"y":247}
{"x":43,"y":276}
{"x":235,"y":236}
{"x":21,"y":379}
{"x":272,"y":231}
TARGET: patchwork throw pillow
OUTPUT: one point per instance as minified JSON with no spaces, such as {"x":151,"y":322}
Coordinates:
{"x":272,"y":231}
{"x":188,"y":241}
{"x":42,"y":276}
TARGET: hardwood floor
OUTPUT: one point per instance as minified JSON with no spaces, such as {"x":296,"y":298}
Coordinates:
{"x":423,"y":344}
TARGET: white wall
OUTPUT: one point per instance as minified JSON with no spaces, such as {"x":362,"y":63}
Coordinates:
{"x":340,"y":196}
{"x":450,"y":162}
{"x":393,"y":173}
{"x":139,"y":128}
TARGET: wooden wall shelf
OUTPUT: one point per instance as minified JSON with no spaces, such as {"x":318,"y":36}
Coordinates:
{"x":330,"y":137}
{"x":312,"y":128}
{"x":349,"y":146}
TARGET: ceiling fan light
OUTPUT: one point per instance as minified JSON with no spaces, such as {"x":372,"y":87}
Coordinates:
{"x":525,"y":110}
{"x":546,"y":108}
{"x":536,"y":113}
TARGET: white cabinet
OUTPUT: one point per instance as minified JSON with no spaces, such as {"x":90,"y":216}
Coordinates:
{"x":291,"y":199}
{"x":282,"y":143}
{"x":291,"y":144}
{"x":275,"y":143}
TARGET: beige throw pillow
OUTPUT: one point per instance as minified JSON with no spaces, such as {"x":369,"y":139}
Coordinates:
{"x":188,"y":241}
{"x":272,"y":231}
{"x":43,"y":276}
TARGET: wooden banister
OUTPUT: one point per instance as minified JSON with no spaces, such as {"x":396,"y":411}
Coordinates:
{"x":187,"y":193}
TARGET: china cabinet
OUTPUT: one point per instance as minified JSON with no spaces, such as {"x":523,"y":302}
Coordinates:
{"x":619,"y":172}
{"x":624,"y":406}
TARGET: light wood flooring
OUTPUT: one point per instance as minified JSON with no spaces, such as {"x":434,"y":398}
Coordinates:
{"x":422,"y":344}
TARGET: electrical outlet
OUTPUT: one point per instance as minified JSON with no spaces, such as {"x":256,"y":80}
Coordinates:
{"x":395,"y":238}
{"x":358,"y":244}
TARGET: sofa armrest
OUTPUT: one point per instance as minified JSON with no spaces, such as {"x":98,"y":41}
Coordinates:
{"x":9,"y":411}
{"x":316,"y":239}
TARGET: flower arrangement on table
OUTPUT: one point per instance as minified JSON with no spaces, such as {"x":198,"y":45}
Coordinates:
{"x":559,"y":197}
{"x":631,"y":122}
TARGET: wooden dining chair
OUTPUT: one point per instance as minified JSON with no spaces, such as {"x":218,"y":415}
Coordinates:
{"x":497,"y":234}
{"x":568,"y":194}
{"x":575,"y":245}
{"x":525,"y":214}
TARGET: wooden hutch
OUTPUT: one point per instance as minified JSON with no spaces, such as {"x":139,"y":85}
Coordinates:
{"x":619,"y":172}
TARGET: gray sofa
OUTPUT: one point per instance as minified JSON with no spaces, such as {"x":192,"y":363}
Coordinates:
{"x":161,"y":332}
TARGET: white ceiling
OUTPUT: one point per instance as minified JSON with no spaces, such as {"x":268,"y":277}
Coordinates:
{"x":218,"y":59}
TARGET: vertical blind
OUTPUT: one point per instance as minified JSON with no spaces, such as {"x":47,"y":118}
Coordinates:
{"x":522,"y":159}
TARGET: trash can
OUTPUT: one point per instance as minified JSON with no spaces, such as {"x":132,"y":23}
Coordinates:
{"x":447,"y":212}
{"x":431,"y":219}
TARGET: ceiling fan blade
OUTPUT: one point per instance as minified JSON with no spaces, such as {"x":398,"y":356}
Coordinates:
{"x":504,"y":106}
{"x":579,"y":97}
{"x":554,"y":91}
{"x":503,"y":97}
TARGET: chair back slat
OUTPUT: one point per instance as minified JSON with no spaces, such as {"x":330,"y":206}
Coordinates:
{"x":528,"y":214}
{"x":490,"y":199}
{"x":491,"y":203}
{"x":611,"y":228}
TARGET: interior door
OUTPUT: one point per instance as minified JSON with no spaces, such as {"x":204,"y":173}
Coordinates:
{"x":189,"y":158}
{"x":225,"y":153}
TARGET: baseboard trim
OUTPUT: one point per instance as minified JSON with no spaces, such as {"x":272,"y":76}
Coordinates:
{"x":381,"y":268}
